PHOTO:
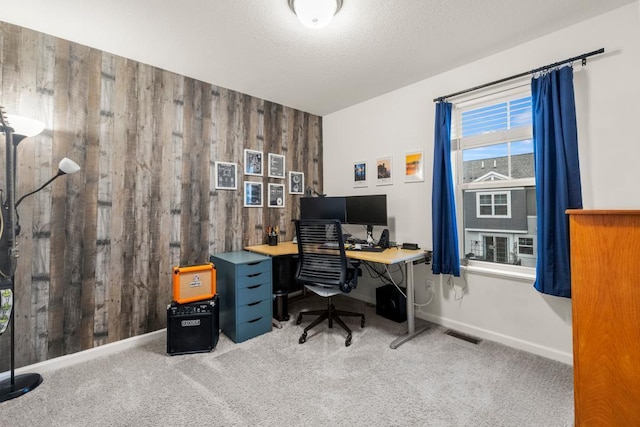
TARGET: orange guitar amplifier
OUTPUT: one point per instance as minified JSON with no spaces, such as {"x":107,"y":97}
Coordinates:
{"x":194,"y":283}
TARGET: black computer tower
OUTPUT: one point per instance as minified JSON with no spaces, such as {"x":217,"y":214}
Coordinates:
{"x":193,"y":327}
{"x":391,"y":304}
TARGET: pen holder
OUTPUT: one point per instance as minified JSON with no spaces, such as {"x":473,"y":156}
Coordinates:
{"x":272,"y":240}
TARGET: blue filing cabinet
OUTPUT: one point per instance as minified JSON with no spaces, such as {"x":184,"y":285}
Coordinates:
{"x":243,"y":283}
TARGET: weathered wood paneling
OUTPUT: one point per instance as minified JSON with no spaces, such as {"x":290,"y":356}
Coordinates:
{"x":104,"y":201}
{"x":97,"y":247}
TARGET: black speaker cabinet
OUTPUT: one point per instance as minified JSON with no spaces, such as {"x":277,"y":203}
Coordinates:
{"x":391,"y":304}
{"x":193,"y":327}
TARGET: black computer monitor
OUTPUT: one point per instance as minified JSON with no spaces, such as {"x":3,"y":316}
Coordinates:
{"x":323,"y":208}
{"x":367,"y":210}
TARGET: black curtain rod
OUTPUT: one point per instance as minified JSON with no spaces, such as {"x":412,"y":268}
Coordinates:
{"x":584,"y":57}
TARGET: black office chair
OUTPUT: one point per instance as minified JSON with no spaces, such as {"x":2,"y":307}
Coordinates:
{"x":323,"y":268}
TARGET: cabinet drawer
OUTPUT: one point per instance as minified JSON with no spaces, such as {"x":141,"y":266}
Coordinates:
{"x":254,"y":311}
{"x":251,"y":268}
{"x":254,"y":279}
{"x":253,"y":293}
{"x":253,"y":328}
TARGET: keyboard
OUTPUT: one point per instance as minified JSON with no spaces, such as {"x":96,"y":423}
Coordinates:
{"x":330,"y":245}
{"x":369,"y":249}
{"x":372,"y":249}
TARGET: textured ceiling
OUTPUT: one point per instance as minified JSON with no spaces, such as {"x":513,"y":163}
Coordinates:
{"x":258,"y":47}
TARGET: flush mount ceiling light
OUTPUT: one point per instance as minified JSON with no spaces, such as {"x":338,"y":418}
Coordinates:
{"x":315,"y":13}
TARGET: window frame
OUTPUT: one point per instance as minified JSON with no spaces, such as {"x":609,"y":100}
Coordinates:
{"x":493,"y":204}
{"x":458,"y":145}
{"x":533,"y":245}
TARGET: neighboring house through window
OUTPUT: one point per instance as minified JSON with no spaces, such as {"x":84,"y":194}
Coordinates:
{"x":492,"y":144}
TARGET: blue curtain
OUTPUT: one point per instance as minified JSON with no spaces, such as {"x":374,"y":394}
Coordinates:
{"x":557,"y":170}
{"x":446,"y":258}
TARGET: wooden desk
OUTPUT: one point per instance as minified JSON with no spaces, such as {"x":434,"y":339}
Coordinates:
{"x":389,"y":256}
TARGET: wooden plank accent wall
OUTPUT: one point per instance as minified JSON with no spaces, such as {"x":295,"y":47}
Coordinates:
{"x":97,"y":247}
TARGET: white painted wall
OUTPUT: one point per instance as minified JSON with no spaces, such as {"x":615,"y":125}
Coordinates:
{"x":607,"y":93}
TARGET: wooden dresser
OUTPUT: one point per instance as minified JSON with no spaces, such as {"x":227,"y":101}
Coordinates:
{"x":605,"y":277}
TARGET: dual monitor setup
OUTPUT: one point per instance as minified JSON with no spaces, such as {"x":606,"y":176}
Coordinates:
{"x":368,"y":210}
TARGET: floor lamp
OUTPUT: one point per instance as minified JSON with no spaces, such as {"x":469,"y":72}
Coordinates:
{"x":15,"y":130}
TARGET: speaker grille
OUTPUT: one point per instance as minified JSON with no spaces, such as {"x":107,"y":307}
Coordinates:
{"x":192,"y":328}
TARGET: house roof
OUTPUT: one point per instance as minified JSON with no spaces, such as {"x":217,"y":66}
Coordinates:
{"x":497,"y":168}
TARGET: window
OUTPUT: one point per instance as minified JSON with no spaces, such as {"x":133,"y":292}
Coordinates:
{"x":492,"y":143}
{"x":493,"y":205}
{"x":525,"y":245}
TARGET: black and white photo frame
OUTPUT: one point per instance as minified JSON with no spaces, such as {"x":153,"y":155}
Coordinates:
{"x":226,"y":176}
{"x":252,"y":194}
{"x":276,"y":166}
{"x":296,"y":182}
{"x":276,"y":195}
{"x":253,"y":162}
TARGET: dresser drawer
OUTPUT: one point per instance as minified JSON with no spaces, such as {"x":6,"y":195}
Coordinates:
{"x":254,"y":311}
{"x":254,"y":293}
{"x":253,"y":328}
{"x":251,"y":268}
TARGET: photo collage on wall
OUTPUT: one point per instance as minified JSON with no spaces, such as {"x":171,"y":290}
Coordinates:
{"x":226,"y":177}
{"x":385,"y":169}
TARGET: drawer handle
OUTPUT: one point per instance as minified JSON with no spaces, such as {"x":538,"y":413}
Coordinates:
{"x":253,"y":287}
{"x":254,"y":263}
{"x":254,"y":303}
{"x":254,"y":320}
{"x":254,"y":275}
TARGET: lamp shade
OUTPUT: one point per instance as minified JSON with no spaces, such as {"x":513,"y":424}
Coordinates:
{"x":68,"y":166}
{"x":24,"y":126}
{"x":315,"y":13}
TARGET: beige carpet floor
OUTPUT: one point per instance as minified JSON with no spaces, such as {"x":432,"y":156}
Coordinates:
{"x":271,"y":380}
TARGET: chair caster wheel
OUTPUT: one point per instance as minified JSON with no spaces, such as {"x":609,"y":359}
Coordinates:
{"x":362,"y":322}
{"x":303,"y":338}
{"x":299,"y":319}
{"x":347,"y":343}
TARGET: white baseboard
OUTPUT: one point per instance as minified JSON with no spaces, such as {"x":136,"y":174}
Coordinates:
{"x":85,"y":355}
{"x":517,"y":343}
{"x":540,"y":350}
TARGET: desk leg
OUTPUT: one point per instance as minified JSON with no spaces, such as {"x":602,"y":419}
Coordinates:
{"x":411,"y":320}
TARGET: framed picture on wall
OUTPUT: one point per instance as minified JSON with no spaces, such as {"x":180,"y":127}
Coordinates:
{"x":226,"y":176}
{"x":276,"y":166}
{"x":384,"y":170}
{"x":414,"y":166}
{"x":276,"y":195}
{"x":252,"y":194}
{"x":360,"y":174}
{"x":252,"y":162}
{"x":296,"y":182}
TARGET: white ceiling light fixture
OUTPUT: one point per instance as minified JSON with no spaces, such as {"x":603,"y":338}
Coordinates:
{"x":315,"y":13}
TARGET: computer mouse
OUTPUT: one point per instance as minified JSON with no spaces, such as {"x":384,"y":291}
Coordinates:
{"x":357,"y":247}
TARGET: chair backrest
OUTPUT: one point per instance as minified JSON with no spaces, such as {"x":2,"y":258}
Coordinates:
{"x":321,"y":254}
